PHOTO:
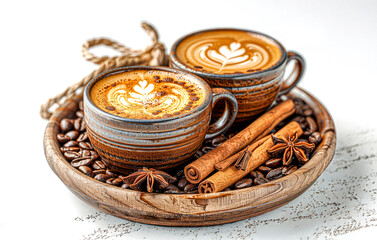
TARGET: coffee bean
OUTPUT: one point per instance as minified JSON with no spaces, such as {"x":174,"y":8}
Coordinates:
{"x":82,"y":161}
{"x":274,"y":173}
{"x":264,"y":169}
{"x":101,"y":177}
{"x":315,"y":138}
{"x":291,"y":170}
{"x":273,"y":163}
{"x":72,"y":135}
{"x":62,"y":138}
{"x":172,"y":189}
{"x":227,"y":189}
{"x":190,"y":187}
{"x":125,"y":186}
{"x":79,"y":124}
{"x":179,"y":174}
{"x":259,"y":181}
{"x":83,"y":137}
{"x":94,"y":155}
{"x":66,"y":124}
{"x":182,"y":183}
{"x":114,"y":181}
{"x":71,"y":155}
{"x":111,"y":174}
{"x":98,"y":165}
{"x":85,"y":145}
{"x":86,"y":170}
{"x":71,"y":144}
{"x":217,"y":141}
{"x":256,"y":174}
{"x":194,"y":99}
{"x":86,"y":153}
{"x":80,"y":114}
{"x":66,"y":149}
{"x":99,"y":171}
{"x":195,"y":191}
{"x":199,"y":153}
{"x":81,"y":105}
{"x":243,"y":183}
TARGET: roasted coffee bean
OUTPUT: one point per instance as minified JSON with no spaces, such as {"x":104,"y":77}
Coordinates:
{"x":79,"y":124}
{"x":81,"y":105}
{"x":259,"y":181}
{"x":291,"y":170}
{"x":80,"y":114}
{"x":82,"y":161}
{"x":83,"y":137}
{"x":243,"y":183}
{"x":315,"y":138}
{"x":206,"y":149}
{"x":227,"y":189}
{"x":99,"y":171}
{"x":72,"y":135}
{"x":312,"y":125}
{"x":71,"y":143}
{"x":264,"y":169}
{"x":114,"y":181}
{"x":273,"y":163}
{"x":190,"y":187}
{"x":101,"y":177}
{"x":94,"y":155}
{"x":68,"y":149}
{"x":125,"y":186}
{"x":86,"y":170}
{"x":62,"y":138}
{"x":85,"y":145}
{"x":217,"y":141}
{"x":98,"y":165}
{"x":256,"y":174}
{"x":302,"y":125}
{"x":71,"y":155}
{"x":172,"y":189}
{"x":66,"y":124}
{"x":86,"y":153}
{"x":111,"y":174}
{"x":195,"y":191}
{"x":182,"y":183}
{"x":307,"y":111}
{"x":180,"y":174}
{"x":274,"y":173}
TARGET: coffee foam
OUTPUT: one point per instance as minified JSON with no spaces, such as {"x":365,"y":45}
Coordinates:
{"x":228,"y":51}
{"x":147,"y":94}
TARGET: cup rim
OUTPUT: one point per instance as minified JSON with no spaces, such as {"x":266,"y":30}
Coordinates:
{"x":175,"y":60}
{"x":206,"y":102}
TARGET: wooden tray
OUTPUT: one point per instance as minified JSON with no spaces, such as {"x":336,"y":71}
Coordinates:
{"x":191,"y":209}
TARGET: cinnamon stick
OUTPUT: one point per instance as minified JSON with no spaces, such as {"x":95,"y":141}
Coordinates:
{"x":228,"y":161}
{"x":198,"y":170}
{"x":223,"y":179}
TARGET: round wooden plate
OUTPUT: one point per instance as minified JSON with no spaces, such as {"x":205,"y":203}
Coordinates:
{"x":191,"y":209}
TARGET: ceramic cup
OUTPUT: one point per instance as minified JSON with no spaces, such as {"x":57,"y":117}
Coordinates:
{"x":127,"y":144}
{"x":255,"y":89}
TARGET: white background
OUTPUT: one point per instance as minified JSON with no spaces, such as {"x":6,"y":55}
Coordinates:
{"x":40,"y":55}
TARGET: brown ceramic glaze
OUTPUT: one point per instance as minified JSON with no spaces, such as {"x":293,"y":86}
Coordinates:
{"x":255,"y":89}
{"x":128,"y":143}
{"x":191,"y":209}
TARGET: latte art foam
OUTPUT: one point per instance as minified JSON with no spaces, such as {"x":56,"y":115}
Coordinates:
{"x":228,"y":51}
{"x":143,"y":94}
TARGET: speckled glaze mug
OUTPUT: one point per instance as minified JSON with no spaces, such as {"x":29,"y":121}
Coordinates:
{"x":152,"y":116}
{"x":249,"y":64}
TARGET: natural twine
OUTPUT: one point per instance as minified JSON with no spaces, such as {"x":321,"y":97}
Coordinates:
{"x":152,"y":55}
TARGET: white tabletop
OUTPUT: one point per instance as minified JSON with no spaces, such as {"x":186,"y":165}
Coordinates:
{"x":40,"y":56}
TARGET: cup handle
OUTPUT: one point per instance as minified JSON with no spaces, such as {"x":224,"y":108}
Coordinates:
{"x":296,"y":74}
{"x":228,"y":116}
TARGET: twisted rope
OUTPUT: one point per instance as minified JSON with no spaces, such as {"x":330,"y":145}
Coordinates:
{"x":152,"y":55}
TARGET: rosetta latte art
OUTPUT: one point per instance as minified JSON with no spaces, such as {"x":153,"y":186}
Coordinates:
{"x":144,"y":98}
{"x":229,"y":58}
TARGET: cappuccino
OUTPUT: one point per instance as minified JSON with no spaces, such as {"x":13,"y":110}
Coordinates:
{"x":228,"y":52}
{"x":147,"y":94}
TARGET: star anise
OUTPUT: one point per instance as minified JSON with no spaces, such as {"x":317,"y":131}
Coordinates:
{"x":148,"y":179}
{"x":290,"y":146}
